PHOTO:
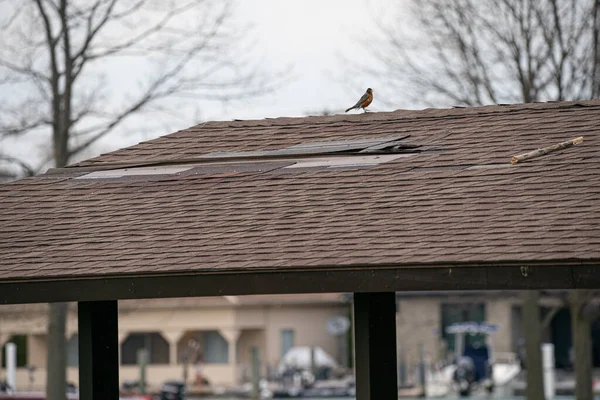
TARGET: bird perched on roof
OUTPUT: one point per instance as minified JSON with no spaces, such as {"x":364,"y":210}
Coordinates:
{"x":364,"y":101}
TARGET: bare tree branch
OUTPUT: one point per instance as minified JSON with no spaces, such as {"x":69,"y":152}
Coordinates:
{"x":23,"y":126}
{"x":25,"y":70}
{"x":596,"y":50}
{"x":550,"y":316}
{"x":13,"y":17}
{"x":25,"y":167}
{"x":198,"y":52}
{"x":474,"y":53}
{"x":52,"y":58}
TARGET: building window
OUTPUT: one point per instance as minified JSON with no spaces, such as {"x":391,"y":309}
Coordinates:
{"x":287,"y":340}
{"x":73,"y":351}
{"x":21,"y":342}
{"x":215,"y":348}
{"x":153,"y":342}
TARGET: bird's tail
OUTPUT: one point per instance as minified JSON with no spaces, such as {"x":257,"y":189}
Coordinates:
{"x":348,"y":109}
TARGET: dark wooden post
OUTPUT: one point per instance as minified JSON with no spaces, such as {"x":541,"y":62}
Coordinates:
{"x":98,"y":350}
{"x":375,"y":346}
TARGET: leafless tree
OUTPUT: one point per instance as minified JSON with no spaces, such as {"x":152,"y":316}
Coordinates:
{"x":12,"y":168}
{"x":596,"y":36}
{"x":584,"y":309}
{"x":53,"y":54}
{"x":583,"y":312}
{"x":472,"y":52}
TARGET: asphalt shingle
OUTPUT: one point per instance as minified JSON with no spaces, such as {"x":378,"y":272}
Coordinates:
{"x":457,"y":201}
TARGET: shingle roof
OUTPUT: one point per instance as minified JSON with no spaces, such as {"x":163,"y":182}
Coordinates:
{"x":457,"y":201}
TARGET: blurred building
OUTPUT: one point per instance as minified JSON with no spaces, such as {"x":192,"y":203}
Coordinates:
{"x":215,"y":335}
{"x":422,"y":317}
{"x":212,"y":335}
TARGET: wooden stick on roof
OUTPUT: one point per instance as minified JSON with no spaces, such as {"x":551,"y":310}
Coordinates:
{"x":546,"y":150}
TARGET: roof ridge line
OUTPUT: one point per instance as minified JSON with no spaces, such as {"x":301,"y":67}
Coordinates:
{"x":459,"y":112}
{"x":384,"y":118}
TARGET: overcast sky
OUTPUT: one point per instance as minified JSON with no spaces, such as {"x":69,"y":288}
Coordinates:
{"x":309,"y":35}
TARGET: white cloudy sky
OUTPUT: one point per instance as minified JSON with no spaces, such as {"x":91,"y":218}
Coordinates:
{"x":310,"y":35}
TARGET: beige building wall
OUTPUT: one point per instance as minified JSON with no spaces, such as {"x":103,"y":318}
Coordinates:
{"x":309,"y":325}
{"x":186,"y":319}
{"x":251,"y":317}
{"x":23,"y":319}
{"x":37,"y":350}
{"x":498,"y":311}
{"x":242,"y":324}
{"x":416,"y":322}
{"x":250,"y":338}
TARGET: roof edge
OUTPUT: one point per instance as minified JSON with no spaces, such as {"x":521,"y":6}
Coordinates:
{"x":523,"y":264}
{"x":548,"y":275}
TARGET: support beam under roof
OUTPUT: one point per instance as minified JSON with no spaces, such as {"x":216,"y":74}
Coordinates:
{"x":375,"y":346}
{"x":494,"y":276}
{"x":98,"y":350}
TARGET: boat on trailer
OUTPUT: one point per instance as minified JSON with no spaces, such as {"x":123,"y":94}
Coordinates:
{"x":475,"y":366}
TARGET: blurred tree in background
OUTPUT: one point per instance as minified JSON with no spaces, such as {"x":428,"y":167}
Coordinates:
{"x":473,"y":52}
{"x":53,"y":85}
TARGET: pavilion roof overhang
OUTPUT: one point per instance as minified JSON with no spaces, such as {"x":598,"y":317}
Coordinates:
{"x":558,"y":274}
{"x":423,"y":200}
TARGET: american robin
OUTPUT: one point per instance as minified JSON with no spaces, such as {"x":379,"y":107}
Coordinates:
{"x":364,"y":101}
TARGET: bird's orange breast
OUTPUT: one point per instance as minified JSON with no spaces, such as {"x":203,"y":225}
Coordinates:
{"x":367,"y":101}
